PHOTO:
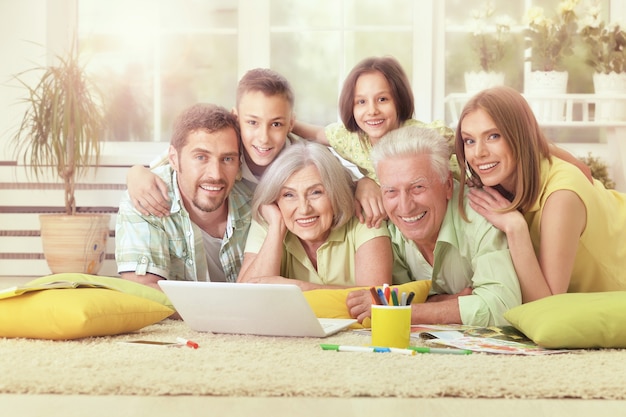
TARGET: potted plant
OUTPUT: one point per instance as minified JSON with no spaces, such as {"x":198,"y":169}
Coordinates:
{"x":599,"y":170}
{"x":606,"y":55}
{"x":60,"y":131}
{"x":550,"y":41}
{"x":491,"y":40}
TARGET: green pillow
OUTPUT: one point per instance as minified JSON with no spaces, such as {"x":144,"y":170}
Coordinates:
{"x":573,"y":320}
{"x":120,"y":284}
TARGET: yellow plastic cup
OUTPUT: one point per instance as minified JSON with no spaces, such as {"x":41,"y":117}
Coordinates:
{"x":391,"y":326}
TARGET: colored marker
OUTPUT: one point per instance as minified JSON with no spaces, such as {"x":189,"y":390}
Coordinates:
{"x":403,"y":299}
{"x":394,"y":298}
{"x":375,"y":349}
{"x":375,"y":297}
{"x":423,"y":349}
{"x":186,"y":342}
{"x":409,"y":299}
{"x":382,"y":298}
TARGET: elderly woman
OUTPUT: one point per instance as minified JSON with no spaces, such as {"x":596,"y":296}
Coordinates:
{"x":304,"y":230}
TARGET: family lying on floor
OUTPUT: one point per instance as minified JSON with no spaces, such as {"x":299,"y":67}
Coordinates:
{"x":492,"y":214}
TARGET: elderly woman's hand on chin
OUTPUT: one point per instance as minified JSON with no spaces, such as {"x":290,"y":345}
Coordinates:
{"x":271,"y":213}
{"x":274,"y":218}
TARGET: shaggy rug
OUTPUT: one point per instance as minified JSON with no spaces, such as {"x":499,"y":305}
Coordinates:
{"x":238,"y":365}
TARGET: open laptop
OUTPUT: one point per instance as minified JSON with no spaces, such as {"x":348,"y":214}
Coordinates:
{"x":244,"y":308}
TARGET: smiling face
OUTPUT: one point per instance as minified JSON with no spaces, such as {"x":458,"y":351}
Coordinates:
{"x":265,"y":122}
{"x":487,"y":152}
{"x":374,"y":107}
{"x":207,"y":166}
{"x":305,"y":206}
{"x":414,"y":197}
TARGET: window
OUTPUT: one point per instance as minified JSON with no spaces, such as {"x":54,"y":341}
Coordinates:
{"x":154,"y":58}
{"x":458,"y":32}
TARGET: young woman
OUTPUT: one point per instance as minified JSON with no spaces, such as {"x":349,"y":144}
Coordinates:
{"x":565,"y":233}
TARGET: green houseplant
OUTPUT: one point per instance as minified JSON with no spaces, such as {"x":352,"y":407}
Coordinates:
{"x":551,"y":39}
{"x":490,"y":40}
{"x":606,"y":43}
{"x":606,"y":56}
{"x":60,"y":131}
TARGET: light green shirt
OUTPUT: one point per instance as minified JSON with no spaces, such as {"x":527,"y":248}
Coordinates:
{"x":357,"y":148}
{"x":473,"y":254}
{"x":335,"y":258}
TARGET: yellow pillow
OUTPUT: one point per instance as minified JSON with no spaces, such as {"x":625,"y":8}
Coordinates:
{"x":120,"y":284}
{"x":60,"y":314}
{"x":573,"y":320}
{"x":332,"y":303}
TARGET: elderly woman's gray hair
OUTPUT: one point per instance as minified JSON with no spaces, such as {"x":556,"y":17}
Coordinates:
{"x":413,"y":141}
{"x":335,"y":179}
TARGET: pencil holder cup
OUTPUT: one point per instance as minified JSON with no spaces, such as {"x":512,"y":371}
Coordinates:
{"x":391,"y":326}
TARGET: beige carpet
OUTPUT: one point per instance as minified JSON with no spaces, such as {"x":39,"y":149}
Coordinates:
{"x":233,"y":365}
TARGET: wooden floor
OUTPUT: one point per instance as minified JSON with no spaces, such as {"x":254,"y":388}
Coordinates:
{"x":80,"y":406}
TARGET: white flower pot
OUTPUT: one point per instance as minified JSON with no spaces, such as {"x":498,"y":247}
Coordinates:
{"x":478,"y":81}
{"x":542,"y":85}
{"x":608,"y":85}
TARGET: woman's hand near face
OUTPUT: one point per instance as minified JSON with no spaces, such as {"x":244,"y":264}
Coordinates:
{"x":274,"y":218}
{"x":487,"y":201}
{"x":256,"y":267}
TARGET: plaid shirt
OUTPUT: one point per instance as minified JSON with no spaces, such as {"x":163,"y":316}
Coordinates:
{"x":172,"y":247}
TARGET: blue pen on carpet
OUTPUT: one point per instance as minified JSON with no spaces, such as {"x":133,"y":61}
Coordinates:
{"x":375,"y":349}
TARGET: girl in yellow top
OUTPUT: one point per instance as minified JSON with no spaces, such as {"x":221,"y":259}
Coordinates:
{"x":565,"y":234}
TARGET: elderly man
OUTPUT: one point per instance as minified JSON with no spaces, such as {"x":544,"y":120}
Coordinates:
{"x":434,"y":237}
{"x":204,"y":236}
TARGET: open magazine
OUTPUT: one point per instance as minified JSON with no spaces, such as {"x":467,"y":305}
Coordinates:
{"x":503,"y":340}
